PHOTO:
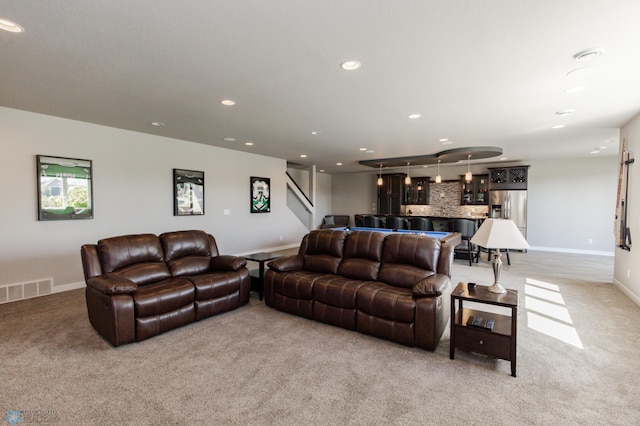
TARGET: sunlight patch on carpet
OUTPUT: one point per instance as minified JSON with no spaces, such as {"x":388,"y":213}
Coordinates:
{"x":547,"y":313}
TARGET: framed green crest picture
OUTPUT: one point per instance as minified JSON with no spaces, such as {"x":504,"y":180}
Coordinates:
{"x":260,"y":195}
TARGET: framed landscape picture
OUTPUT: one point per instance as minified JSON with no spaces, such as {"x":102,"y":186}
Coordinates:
{"x":65,"y":189}
{"x":260,"y":195}
{"x":188,"y":192}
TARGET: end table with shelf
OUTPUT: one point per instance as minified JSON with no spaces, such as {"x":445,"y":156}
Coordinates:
{"x":261,"y":258}
{"x":499,"y":342}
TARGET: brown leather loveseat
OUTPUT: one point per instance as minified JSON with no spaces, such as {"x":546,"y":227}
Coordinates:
{"x":139,"y":286}
{"x":392,"y":286}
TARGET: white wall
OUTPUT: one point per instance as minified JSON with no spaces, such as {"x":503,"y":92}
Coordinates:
{"x":133,"y":193}
{"x":571,"y":204}
{"x":626,"y":271}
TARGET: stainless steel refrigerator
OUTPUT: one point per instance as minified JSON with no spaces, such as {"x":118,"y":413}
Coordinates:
{"x":510,"y":204}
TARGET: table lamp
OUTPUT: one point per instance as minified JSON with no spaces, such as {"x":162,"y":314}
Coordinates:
{"x":499,"y":234}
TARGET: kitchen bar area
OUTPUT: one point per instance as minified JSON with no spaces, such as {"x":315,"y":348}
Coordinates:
{"x":420,"y":204}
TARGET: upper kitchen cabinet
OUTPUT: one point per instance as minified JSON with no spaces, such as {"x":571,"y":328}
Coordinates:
{"x":390,"y":194}
{"x":476,"y":191}
{"x":417,"y":192}
{"x":508,"y":177}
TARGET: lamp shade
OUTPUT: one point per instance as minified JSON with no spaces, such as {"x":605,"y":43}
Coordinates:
{"x":499,"y":234}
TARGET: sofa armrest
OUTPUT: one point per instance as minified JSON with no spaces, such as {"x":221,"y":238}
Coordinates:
{"x":432,"y":286}
{"x":112,"y":284}
{"x":287,"y":263}
{"x":227,"y":263}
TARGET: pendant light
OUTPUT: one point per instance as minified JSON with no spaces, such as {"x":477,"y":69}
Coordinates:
{"x":438,"y":178}
{"x":407,"y":180}
{"x":468,"y":175}
{"x":380,"y":182}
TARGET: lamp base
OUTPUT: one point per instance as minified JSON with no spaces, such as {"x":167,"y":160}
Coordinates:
{"x":497,"y":288}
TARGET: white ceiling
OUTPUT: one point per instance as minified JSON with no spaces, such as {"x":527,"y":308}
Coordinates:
{"x":481,"y":73}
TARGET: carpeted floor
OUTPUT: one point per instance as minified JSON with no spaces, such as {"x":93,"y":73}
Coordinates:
{"x":578,"y":363}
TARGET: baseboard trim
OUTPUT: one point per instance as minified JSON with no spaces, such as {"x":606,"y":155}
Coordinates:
{"x":634,"y":298}
{"x":272,"y":249}
{"x":68,"y":287}
{"x":574,"y":251}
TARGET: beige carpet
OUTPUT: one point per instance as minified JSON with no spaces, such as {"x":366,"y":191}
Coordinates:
{"x":256,"y":365}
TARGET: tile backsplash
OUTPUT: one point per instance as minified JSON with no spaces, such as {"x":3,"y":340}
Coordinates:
{"x":444,"y":201}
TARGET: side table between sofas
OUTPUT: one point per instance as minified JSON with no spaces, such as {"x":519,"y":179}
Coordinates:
{"x":260,"y":258}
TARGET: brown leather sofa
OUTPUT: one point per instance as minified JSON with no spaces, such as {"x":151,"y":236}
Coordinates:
{"x":139,"y":286}
{"x":392,"y":286}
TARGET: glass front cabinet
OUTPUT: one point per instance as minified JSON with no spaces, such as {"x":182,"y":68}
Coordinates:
{"x":475,"y":192}
{"x":417,"y":192}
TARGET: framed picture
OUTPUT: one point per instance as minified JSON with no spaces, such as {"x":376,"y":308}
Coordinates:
{"x":260,"y":195}
{"x":188,"y":192}
{"x":65,"y":189}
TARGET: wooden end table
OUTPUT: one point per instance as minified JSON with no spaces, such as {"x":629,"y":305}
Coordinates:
{"x":260,"y":258}
{"x":500,"y":342}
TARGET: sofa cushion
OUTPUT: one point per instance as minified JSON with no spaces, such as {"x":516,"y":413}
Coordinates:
{"x":410,"y":249}
{"x":337,"y":291}
{"x":401,"y":275}
{"x":408,"y":258}
{"x":384,"y":301}
{"x":163,"y":297}
{"x":215,"y":285}
{"x":326,"y":241}
{"x":362,"y":255}
{"x":186,"y":252}
{"x":324,"y":251}
{"x":138,"y":258}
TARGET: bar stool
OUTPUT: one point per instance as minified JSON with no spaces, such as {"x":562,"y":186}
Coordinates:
{"x":466,"y":228}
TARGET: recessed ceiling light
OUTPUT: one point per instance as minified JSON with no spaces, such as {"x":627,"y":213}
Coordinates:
{"x":363,"y":149}
{"x":370,"y":151}
{"x":321,"y":170}
{"x":587,"y":55}
{"x":157,"y":123}
{"x":565,"y":112}
{"x":444,"y":140}
{"x":413,"y":116}
{"x":575,"y":89}
{"x":338,"y":164}
{"x":558,"y":126}
{"x":595,"y":151}
{"x":229,"y":139}
{"x":10,"y":26}
{"x":303,"y":155}
{"x":315,"y":132}
{"x":447,"y":142}
{"x":578,"y":71}
{"x":350,"y":65}
{"x":248,"y":143}
{"x":228,"y":102}
{"x":601,"y":147}
{"x":503,"y":158}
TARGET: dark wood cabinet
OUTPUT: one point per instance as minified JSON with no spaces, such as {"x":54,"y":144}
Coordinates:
{"x":508,"y":177}
{"x":417,"y":192}
{"x":475,"y":192}
{"x":390,"y":194}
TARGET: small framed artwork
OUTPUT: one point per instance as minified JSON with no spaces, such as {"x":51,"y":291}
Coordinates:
{"x":188,"y":192}
{"x":65,"y":189}
{"x":260,"y":195}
